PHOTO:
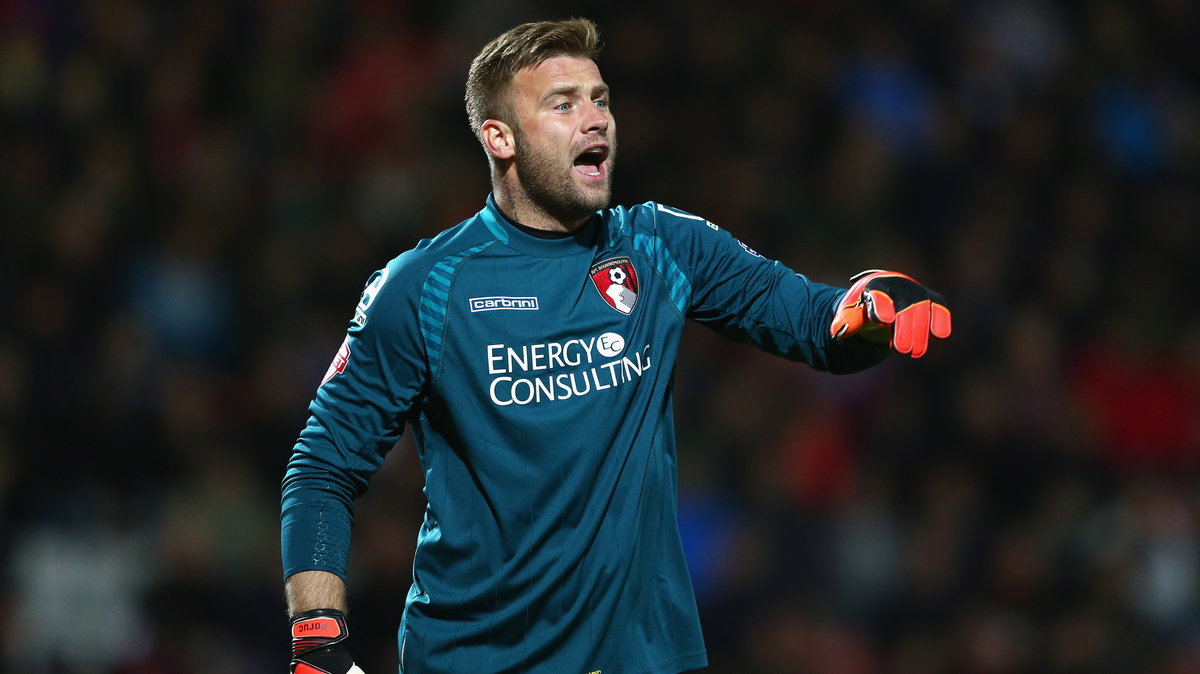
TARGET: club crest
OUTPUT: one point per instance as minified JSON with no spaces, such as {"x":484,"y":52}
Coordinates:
{"x":617,"y":283}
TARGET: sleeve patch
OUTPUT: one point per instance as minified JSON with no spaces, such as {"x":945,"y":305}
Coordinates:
{"x":374,"y":285}
{"x":340,"y":361}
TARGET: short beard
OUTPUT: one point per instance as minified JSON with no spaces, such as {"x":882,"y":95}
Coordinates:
{"x":553,"y":192}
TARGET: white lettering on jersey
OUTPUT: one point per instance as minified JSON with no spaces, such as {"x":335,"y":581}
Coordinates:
{"x":503,"y":303}
{"x":610,"y":344}
{"x":596,"y":364}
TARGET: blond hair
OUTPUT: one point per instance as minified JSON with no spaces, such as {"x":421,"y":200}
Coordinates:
{"x":526,"y":45}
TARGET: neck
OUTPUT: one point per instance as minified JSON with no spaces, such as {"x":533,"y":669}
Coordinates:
{"x":517,"y":205}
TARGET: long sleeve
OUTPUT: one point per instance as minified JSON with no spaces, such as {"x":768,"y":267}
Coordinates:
{"x":758,"y":301}
{"x":355,"y":418}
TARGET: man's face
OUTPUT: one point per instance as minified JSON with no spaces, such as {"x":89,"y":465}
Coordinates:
{"x":565,"y":137}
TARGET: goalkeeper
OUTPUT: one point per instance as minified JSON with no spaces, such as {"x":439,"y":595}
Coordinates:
{"x":530,"y":349}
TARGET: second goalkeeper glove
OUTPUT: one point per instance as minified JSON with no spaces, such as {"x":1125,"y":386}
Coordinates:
{"x":317,"y":648}
{"x":896,"y":301}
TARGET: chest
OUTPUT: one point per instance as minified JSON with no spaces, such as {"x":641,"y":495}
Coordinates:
{"x":537,"y":300}
{"x":513,"y":319}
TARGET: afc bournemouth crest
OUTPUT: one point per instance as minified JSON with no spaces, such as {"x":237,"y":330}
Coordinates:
{"x":617,"y":282}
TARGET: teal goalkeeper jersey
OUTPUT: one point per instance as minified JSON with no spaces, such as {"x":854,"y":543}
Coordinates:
{"x":536,"y":375}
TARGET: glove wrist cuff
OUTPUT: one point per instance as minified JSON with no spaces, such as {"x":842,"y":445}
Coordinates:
{"x":318,"y":628}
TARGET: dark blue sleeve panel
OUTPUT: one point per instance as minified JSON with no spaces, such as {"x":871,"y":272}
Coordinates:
{"x":749,"y":298}
{"x":355,"y":418}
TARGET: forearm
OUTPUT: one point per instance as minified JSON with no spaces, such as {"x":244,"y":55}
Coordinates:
{"x":310,"y":590}
{"x":318,"y":635}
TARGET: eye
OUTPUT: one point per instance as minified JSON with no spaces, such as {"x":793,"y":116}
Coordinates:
{"x":563,"y":107}
{"x":601,"y":103}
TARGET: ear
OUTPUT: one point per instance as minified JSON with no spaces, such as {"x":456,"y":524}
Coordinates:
{"x":499,"y":139}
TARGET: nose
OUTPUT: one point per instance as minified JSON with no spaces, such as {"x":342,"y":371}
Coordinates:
{"x":595,"y":120}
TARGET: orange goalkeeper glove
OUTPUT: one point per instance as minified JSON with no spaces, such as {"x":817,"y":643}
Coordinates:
{"x":317,"y":638}
{"x":895,"y":301}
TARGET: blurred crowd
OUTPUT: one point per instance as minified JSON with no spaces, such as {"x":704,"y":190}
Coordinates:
{"x":192,"y":195}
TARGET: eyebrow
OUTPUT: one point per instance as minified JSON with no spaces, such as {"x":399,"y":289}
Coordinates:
{"x":572,"y":90}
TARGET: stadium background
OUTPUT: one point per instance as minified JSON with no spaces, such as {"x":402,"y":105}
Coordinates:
{"x":192,"y":195}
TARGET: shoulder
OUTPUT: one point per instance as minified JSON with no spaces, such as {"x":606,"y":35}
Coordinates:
{"x":420,"y":270}
{"x":651,"y":213}
{"x":467,"y":238}
{"x":690,"y":239}
{"x":682,"y":231}
{"x":654,"y":219}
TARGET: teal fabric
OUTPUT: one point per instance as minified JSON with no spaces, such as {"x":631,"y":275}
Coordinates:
{"x":541,"y":409}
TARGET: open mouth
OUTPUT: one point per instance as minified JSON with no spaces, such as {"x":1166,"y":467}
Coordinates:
{"x":590,"y":162}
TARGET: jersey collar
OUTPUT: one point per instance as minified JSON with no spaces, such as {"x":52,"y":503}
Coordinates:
{"x":581,"y":240}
